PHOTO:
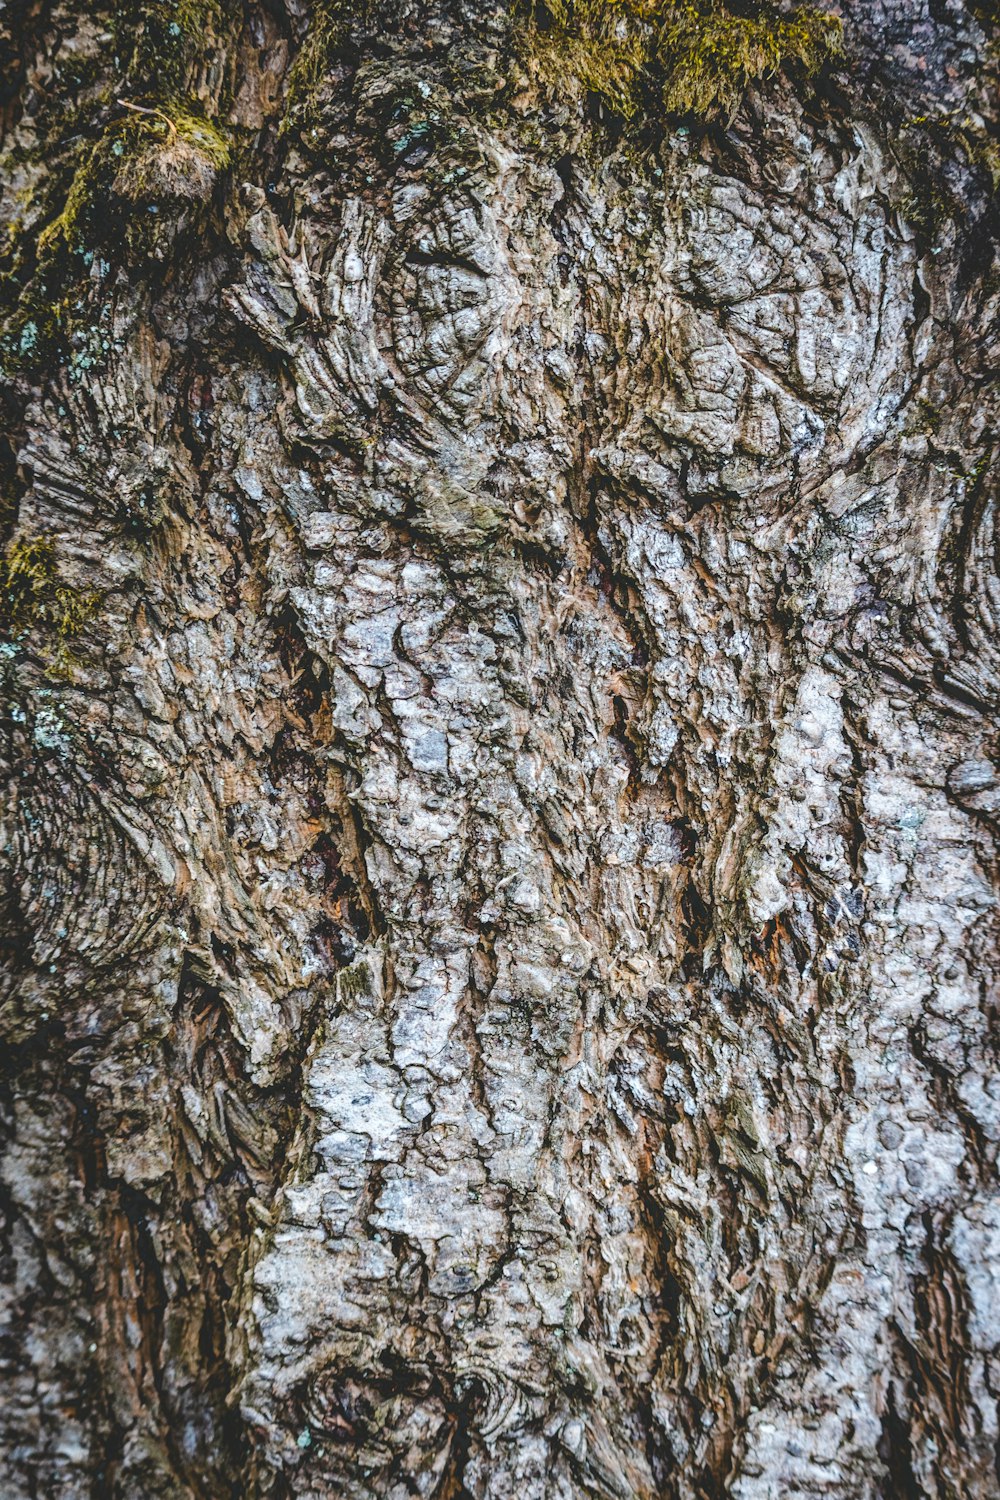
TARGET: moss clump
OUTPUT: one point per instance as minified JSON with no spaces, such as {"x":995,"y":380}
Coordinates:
{"x":131,"y":161}
{"x":204,"y":135}
{"x":332,"y":38}
{"x":145,"y":179}
{"x":34,"y":596}
{"x":150,"y":139}
{"x":930,"y":149}
{"x":310,"y":66}
{"x":698,"y":56}
{"x":159,"y":43}
{"x":604,"y":45}
{"x":167,"y":174}
{"x":967,"y":132}
{"x":62,"y":231}
{"x":711,"y":57}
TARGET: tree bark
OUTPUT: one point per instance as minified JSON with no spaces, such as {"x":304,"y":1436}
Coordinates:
{"x":501,"y":670}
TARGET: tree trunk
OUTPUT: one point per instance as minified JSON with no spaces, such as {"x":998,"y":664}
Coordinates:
{"x":501,"y":668}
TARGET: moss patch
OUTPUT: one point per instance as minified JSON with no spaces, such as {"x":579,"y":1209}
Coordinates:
{"x":711,"y":57}
{"x":130,"y":155}
{"x":307,"y":73}
{"x":966,"y":132}
{"x":159,"y":42}
{"x":34,"y":596}
{"x":605,"y":46}
{"x":143,"y":180}
{"x":693,"y":58}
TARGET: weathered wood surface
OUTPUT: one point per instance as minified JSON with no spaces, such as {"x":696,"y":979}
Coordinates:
{"x":501,"y":893}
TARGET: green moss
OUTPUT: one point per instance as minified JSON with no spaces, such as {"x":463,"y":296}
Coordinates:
{"x":159,"y":43}
{"x":697,"y":58}
{"x":205,"y":134}
{"x":969,"y":134}
{"x":604,"y":45}
{"x":354,"y":981}
{"x":34,"y":596}
{"x":130,"y":161}
{"x":332,"y":25}
{"x":62,"y":232}
{"x":150,"y":152}
{"x":928,"y":149}
{"x":924,"y":416}
{"x":710,"y":57}
{"x":310,"y":66}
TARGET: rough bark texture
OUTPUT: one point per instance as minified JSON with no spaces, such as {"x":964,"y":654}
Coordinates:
{"x":500,"y":906}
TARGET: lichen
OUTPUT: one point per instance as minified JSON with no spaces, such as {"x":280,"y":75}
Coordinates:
{"x":693,"y":58}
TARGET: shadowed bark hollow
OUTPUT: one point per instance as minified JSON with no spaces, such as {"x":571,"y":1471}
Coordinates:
{"x":499,"y":640}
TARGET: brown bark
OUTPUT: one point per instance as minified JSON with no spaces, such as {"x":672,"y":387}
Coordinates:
{"x":501,"y":668}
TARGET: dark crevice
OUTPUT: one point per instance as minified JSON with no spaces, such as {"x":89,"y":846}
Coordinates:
{"x":894,"y":1449}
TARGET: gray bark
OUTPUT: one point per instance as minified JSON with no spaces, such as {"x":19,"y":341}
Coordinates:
{"x":500,"y":898}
